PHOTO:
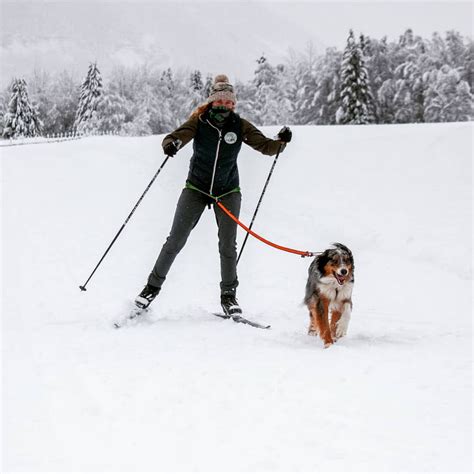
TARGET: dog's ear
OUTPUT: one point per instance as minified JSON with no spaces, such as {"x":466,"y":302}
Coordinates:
{"x":321,"y":261}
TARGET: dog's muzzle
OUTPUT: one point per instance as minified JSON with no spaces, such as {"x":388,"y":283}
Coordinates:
{"x":341,"y":278}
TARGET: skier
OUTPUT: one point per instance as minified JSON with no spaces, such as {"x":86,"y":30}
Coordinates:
{"x":218,"y":133}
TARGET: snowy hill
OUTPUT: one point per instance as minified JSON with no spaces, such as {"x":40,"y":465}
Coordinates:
{"x":186,"y":391}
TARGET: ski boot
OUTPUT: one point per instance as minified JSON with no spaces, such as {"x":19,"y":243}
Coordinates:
{"x":230,"y":305}
{"x":148,"y":294}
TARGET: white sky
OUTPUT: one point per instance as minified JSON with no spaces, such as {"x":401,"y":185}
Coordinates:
{"x":224,"y":36}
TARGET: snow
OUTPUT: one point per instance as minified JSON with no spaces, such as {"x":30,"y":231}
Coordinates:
{"x":184,"y":390}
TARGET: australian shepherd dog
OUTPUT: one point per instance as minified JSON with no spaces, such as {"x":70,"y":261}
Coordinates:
{"x":329,"y":293}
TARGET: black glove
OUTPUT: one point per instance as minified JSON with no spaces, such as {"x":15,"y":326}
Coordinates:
{"x":172,"y":148}
{"x":285,"y":135}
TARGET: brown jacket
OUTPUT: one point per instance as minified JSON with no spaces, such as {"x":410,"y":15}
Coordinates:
{"x":213,"y":166}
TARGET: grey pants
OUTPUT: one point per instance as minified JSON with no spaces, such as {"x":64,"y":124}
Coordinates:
{"x":191,"y":205}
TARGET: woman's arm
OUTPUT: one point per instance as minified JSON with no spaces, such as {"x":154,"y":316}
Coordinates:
{"x":253,"y":137}
{"x":185,"y":133}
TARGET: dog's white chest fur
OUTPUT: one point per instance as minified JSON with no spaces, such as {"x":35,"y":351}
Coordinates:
{"x":334,"y":292}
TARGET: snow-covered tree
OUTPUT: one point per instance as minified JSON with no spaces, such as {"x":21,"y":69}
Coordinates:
{"x":207,"y":86}
{"x":264,"y":100}
{"x":448,"y":98}
{"x":3,"y":111}
{"x":196,"y":90}
{"x":90,"y":96}
{"x":65,"y":96}
{"x":403,"y":78}
{"x":355,"y":94}
{"x":468,"y":72}
{"x":456,"y":50}
{"x":378,"y":62}
{"x":386,"y":102}
{"x":438,"y":52}
{"x":264,"y":84}
{"x":21,"y":118}
{"x":303,"y":87}
{"x":111,"y":112}
{"x":139,"y":126}
{"x":410,"y":62}
{"x":409,"y":94}
{"x":460,"y":55}
{"x":195,"y":81}
{"x":314,"y":86}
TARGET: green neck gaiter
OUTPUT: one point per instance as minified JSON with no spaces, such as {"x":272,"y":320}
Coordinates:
{"x":219,"y":114}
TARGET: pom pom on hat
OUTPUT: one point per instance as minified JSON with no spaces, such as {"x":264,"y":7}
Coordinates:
{"x":222,"y":89}
{"x":221,"y":78}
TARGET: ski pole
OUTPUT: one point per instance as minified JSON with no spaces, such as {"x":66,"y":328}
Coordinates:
{"x":83,"y":287}
{"x":259,"y":202}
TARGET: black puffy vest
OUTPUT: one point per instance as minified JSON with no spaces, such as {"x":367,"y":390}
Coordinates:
{"x":208,"y":140}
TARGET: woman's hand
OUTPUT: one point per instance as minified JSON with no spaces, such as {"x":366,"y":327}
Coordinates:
{"x":172,"y":148}
{"x":284,"y":135}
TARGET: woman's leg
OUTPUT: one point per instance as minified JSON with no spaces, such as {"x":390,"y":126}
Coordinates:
{"x":191,"y":205}
{"x":228,"y":242}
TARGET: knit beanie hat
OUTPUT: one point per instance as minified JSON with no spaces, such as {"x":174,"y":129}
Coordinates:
{"x":221,"y":89}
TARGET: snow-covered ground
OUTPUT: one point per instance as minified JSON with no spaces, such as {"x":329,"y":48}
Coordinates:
{"x":187,"y":391}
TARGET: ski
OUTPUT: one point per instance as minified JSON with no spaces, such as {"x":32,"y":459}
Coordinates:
{"x":137,"y":312}
{"x":242,"y":320}
{"x":132,"y":316}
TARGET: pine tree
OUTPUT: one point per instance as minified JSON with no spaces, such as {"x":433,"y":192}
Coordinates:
{"x":196,"y":81}
{"x":91,"y":92}
{"x":268,"y":105}
{"x":378,"y":63}
{"x":365,"y":46}
{"x":22,"y":118}
{"x":207,"y":86}
{"x":196,"y":90}
{"x":355,"y":94}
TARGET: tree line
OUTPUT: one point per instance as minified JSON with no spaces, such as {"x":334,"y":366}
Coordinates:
{"x":411,"y":80}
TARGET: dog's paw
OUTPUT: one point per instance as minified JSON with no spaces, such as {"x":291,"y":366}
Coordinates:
{"x":328,"y":344}
{"x":341,"y":328}
{"x":312,"y":332}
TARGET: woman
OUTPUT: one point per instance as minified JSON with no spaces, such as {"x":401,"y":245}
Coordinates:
{"x":218,"y":133}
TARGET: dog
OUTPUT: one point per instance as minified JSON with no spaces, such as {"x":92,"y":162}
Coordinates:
{"x":329,"y":293}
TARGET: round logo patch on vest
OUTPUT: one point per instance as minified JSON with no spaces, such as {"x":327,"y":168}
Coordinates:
{"x":230,"y":138}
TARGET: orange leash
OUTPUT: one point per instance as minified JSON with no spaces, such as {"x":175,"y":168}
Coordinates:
{"x":265,"y":241}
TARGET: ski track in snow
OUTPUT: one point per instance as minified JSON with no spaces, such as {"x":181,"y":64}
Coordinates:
{"x":184,"y":390}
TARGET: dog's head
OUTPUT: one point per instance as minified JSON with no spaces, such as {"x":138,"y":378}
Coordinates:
{"x":337,"y":263}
